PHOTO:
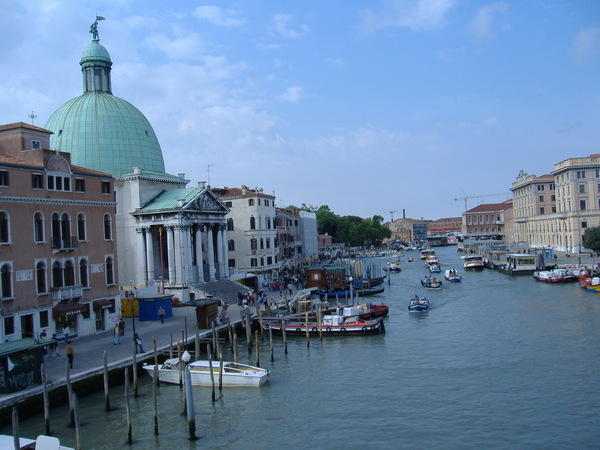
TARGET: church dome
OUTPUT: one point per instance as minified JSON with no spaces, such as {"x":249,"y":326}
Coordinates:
{"x":102,"y":131}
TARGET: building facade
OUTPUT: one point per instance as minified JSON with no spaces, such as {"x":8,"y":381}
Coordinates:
{"x":489,"y":221}
{"x":58,"y":249}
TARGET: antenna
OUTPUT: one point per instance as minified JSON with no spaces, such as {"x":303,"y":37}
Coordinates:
{"x":392,"y":213}
{"x":208,"y":172}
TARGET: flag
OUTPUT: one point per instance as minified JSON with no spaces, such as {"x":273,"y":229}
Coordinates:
{"x":100,"y":17}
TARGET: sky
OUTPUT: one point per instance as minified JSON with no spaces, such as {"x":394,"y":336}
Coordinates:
{"x":378,"y":107}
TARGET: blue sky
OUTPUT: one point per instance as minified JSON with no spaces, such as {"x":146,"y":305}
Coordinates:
{"x":365,"y":106}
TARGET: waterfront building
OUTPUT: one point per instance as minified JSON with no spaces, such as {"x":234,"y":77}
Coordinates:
{"x":309,"y":237}
{"x":489,"y":221}
{"x":58,"y":252}
{"x":251,"y":231}
{"x":445,"y":225}
{"x":288,"y":243}
{"x":408,"y":230}
{"x":168,"y":234}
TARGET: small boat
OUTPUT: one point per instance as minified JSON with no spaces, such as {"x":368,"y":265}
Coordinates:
{"x":431,"y":283}
{"x":349,"y":293}
{"x":418,"y":304}
{"x":427,"y":252}
{"x":590,"y":284}
{"x":452,"y":276}
{"x":434,"y":268}
{"x":432,"y":260}
{"x":366,"y":311}
{"x":334,"y":324}
{"x":361,"y":283}
{"x":234,"y":374}
{"x":473,"y":262}
{"x":410,"y":259}
{"x":41,"y":442}
{"x":392,"y":267}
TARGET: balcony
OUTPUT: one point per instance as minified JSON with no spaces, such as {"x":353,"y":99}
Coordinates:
{"x":67,"y":292}
{"x":67,"y":244}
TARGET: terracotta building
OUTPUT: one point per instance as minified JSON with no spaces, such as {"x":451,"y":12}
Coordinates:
{"x":58,"y":253}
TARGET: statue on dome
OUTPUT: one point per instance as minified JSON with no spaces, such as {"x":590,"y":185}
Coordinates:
{"x":94,"y":28}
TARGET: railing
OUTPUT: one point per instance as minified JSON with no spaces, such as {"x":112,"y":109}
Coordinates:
{"x":67,"y":292}
{"x":64,"y":245}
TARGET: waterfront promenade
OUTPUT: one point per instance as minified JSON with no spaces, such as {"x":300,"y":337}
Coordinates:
{"x":89,"y":350}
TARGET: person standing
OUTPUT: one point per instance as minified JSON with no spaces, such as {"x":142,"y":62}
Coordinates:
{"x":117,"y":334}
{"x":121,"y":327}
{"x":138,"y":343}
{"x":161,"y":314}
{"x":70,"y":353}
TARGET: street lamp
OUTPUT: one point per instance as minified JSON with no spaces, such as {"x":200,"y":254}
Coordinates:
{"x":132,"y":310}
{"x":350,"y":279}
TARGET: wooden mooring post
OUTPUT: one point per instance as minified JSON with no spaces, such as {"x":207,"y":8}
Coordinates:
{"x":105,"y":379}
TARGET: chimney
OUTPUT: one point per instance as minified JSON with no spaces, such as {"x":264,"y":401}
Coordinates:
{"x":201,"y":184}
{"x":181,"y":175}
{"x":244,"y":189}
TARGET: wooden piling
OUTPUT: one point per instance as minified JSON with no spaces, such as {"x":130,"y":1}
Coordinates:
{"x":307,"y":329}
{"x":197,"y":345}
{"x":220,"y":373}
{"x":134,"y":369}
{"x":260,"y":321}
{"x":15,"y":428}
{"x":105,"y":379}
{"x":70,"y":395}
{"x":46,"y":401}
{"x":179,"y":365}
{"x":271,"y":343}
{"x":230,"y":330}
{"x":248,"y":329}
{"x":257,"y":349}
{"x":191,"y":414}
{"x":156,"y":380}
{"x":284,"y":336}
{"x":155,"y":400}
{"x":320,"y":320}
{"x":212,"y":375}
{"x":235,"y":352}
{"x":127,"y":408}
{"x":77,"y":430}
{"x":171,"y":347}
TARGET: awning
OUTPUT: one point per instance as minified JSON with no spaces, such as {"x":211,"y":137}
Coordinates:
{"x":104,"y":304}
{"x":69,"y":309}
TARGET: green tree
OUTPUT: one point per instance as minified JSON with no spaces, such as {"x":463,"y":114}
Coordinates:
{"x":591,"y":238}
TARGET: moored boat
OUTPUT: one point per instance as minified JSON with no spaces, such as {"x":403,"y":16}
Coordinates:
{"x":590,"y":284}
{"x":392,"y":267}
{"x":41,"y":442}
{"x":366,"y":311}
{"x":431,"y":282}
{"x":473,"y":262}
{"x":334,"y":324}
{"x":349,"y":293}
{"x":520,"y":264}
{"x":452,"y":276}
{"x":418,"y":304}
{"x":234,"y":374}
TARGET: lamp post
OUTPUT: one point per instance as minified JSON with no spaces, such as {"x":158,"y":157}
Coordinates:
{"x":350,"y":279}
{"x":132,"y":310}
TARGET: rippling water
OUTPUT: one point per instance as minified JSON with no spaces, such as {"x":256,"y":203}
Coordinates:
{"x":497,"y":362}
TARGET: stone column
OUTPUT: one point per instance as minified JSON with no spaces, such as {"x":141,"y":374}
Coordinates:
{"x":226,"y":251}
{"x":220,"y":253}
{"x":199,"y":261}
{"x":210,"y":253}
{"x":140,"y":253}
{"x":149,"y":256}
{"x":171,"y":254}
{"x":178,"y":256}
{"x":186,"y":257}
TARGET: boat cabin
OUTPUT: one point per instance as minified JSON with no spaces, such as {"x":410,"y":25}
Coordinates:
{"x":495,"y":259}
{"x":427,"y":252}
{"x":327,"y":278}
{"x":520,"y":264}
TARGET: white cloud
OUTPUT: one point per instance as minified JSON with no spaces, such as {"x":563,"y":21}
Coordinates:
{"x":280,"y":25}
{"x":219,"y":16}
{"x":586,"y":44}
{"x":416,"y":15}
{"x":481,"y":25}
{"x":185,"y":47}
{"x":490,"y":121}
{"x":292,"y":94}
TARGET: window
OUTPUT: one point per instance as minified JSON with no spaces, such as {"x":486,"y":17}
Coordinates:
{"x":37,"y":181}
{"x":583,"y":224}
{"x":231,"y":263}
{"x":65,"y":231}
{"x":541,"y":198}
{"x":269,"y":260}
{"x":229,"y":204}
{"x":231,"y":245}
{"x":38,"y":227}
{"x":81,"y":231}
{"x":583,"y":204}
{"x":69,"y":273}
{"x":253,"y":262}
{"x":229,"y":224}
{"x":553,"y":197}
{"x":44,"y":319}
{"x":110,"y":279}
{"x":266,"y":202}
{"x":262,"y":243}
{"x":58,"y":183}
{"x":107,"y":227}
{"x":57,"y":273}
{"x":83,"y":273}
{"x":253,"y":244}
{"x":540,"y":187}
{"x":106,"y":187}
{"x":3,"y":178}
{"x":268,"y":242}
{"x":581,"y":174}
{"x":582,"y":188}
{"x":9,"y":325}
{"x":268,"y":223}
{"x":55,"y":230}
{"x":40,"y":277}
{"x":554,"y":209}
{"x":542,"y":210}
{"x":79,"y":185}
{"x":4,"y":228}
{"x":252,"y":223}
{"x":6,"y":281}
{"x":251,"y":202}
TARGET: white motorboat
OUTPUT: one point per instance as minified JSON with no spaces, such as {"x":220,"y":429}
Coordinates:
{"x":473,"y":262}
{"x":41,"y":442}
{"x":452,"y":276}
{"x":234,"y":374}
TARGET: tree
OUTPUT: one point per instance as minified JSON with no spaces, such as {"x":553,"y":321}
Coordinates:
{"x":591,"y":238}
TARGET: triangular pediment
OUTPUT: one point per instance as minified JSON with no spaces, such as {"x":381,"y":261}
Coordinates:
{"x":206,"y":201}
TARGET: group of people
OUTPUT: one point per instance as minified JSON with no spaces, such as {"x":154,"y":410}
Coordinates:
{"x":251,"y":298}
{"x":52,"y":347}
{"x":119,"y":331}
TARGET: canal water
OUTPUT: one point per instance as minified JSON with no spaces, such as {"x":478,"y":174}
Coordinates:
{"x":497,"y":362}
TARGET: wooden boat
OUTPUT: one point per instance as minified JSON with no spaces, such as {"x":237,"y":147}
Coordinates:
{"x":555,"y":276}
{"x":473,"y":262}
{"x":590,"y":284}
{"x":431,"y":283}
{"x":234,"y":374}
{"x":349,"y":293}
{"x":366,"y":311}
{"x":334,"y":324}
{"x":418,"y":304}
{"x":361,"y":283}
{"x":452,"y":276}
{"x":392,"y":267}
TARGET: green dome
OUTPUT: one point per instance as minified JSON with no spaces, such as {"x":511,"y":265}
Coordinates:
{"x":105,"y":133}
{"x":101,"y":131}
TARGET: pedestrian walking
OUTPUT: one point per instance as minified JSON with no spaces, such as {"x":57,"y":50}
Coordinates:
{"x":117,"y":334}
{"x":53,"y":347}
{"x":138,"y":343}
{"x":161,"y":314}
{"x":70,"y":353}
{"x":121,"y":327}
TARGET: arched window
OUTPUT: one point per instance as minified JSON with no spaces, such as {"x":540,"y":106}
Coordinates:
{"x":40,"y":277}
{"x":268,"y":223}
{"x":81,"y":231}
{"x":57,"y":274}
{"x":268,"y":242}
{"x":6,"y":281}
{"x":230,"y":224}
{"x":69,"y":273}
{"x":251,"y":202}
{"x":262,"y":243}
{"x":55,"y":230}
{"x":110,"y":278}
{"x":83,"y":273}
{"x":253,"y":244}
{"x":4,"y":228}
{"x":252,"y":223}
{"x":107,"y":227}
{"x":65,"y":230}
{"x":231,"y":245}
{"x":38,"y":227}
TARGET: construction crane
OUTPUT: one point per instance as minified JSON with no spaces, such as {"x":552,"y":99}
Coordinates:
{"x":392,"y":213}
{"x":467,"y":197}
